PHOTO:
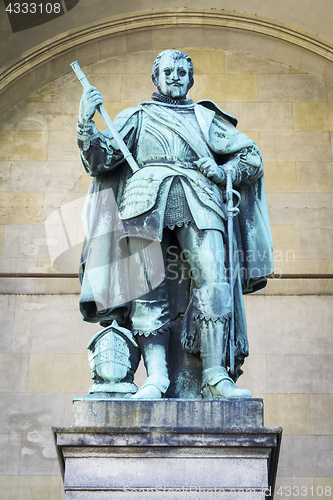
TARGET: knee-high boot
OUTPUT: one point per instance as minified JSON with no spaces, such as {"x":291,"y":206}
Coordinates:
{"x":154,"y":350}
{"x":214,"y":343}
{"x":213,"y":307}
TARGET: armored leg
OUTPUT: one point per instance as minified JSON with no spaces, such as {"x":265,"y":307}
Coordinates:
{"x":154,"y":350}
{"x":215,"y":380}
{"x":211,"y":308}
{"x":150,"y":318}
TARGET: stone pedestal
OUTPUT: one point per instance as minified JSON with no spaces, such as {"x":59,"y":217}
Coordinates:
{"x":168,"y":449}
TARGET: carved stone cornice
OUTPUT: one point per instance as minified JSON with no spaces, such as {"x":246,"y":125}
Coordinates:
{"x":159,"y":19}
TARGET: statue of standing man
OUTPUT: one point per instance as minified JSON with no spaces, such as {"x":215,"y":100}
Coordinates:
{"x":184,"y":151}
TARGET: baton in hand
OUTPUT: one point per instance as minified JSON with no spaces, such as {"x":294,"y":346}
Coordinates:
{"x":100,"y":108}
{"x":232,"y":212}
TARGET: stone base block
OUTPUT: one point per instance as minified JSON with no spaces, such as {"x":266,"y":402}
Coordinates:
{"x":181,"y":494}
{"x":168,"y":449}
{"x":177,"y":413}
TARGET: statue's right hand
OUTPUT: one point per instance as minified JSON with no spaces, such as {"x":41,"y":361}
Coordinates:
{"x":90,"y":100}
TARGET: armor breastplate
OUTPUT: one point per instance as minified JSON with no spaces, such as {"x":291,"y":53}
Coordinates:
{"x":158,"y":149}
{"x":158,"y":143}
{"x":162,"y":154}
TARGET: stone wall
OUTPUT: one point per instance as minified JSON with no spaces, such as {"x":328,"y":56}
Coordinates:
{"x":307,"y":18}
{"x":44,"y":362}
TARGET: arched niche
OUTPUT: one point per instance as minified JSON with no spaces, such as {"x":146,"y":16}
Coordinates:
{"x":160,"y":29}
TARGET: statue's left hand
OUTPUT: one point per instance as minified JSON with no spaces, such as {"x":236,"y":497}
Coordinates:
{"x":211,"y":169}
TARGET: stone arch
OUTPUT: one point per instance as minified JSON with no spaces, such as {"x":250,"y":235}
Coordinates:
{"x":159,"y":29}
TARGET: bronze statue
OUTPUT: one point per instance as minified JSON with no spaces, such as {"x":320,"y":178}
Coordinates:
{"x":177,"y":198}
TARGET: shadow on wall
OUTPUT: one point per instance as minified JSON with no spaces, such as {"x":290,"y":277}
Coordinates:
{"x":25,"y":15}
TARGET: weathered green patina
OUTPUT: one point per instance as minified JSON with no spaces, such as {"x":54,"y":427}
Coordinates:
{"x":156,"y":246}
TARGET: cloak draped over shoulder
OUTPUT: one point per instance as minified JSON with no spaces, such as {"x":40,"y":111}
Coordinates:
{"x":108,"y":273}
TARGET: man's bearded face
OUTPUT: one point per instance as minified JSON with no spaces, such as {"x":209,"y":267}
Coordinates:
{"x":174,"y":78}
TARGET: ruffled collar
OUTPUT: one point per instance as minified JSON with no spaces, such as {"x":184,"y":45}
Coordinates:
{"x":173,"y":102}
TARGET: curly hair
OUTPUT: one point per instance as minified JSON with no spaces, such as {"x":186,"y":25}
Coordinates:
{"x":176,"y":55}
